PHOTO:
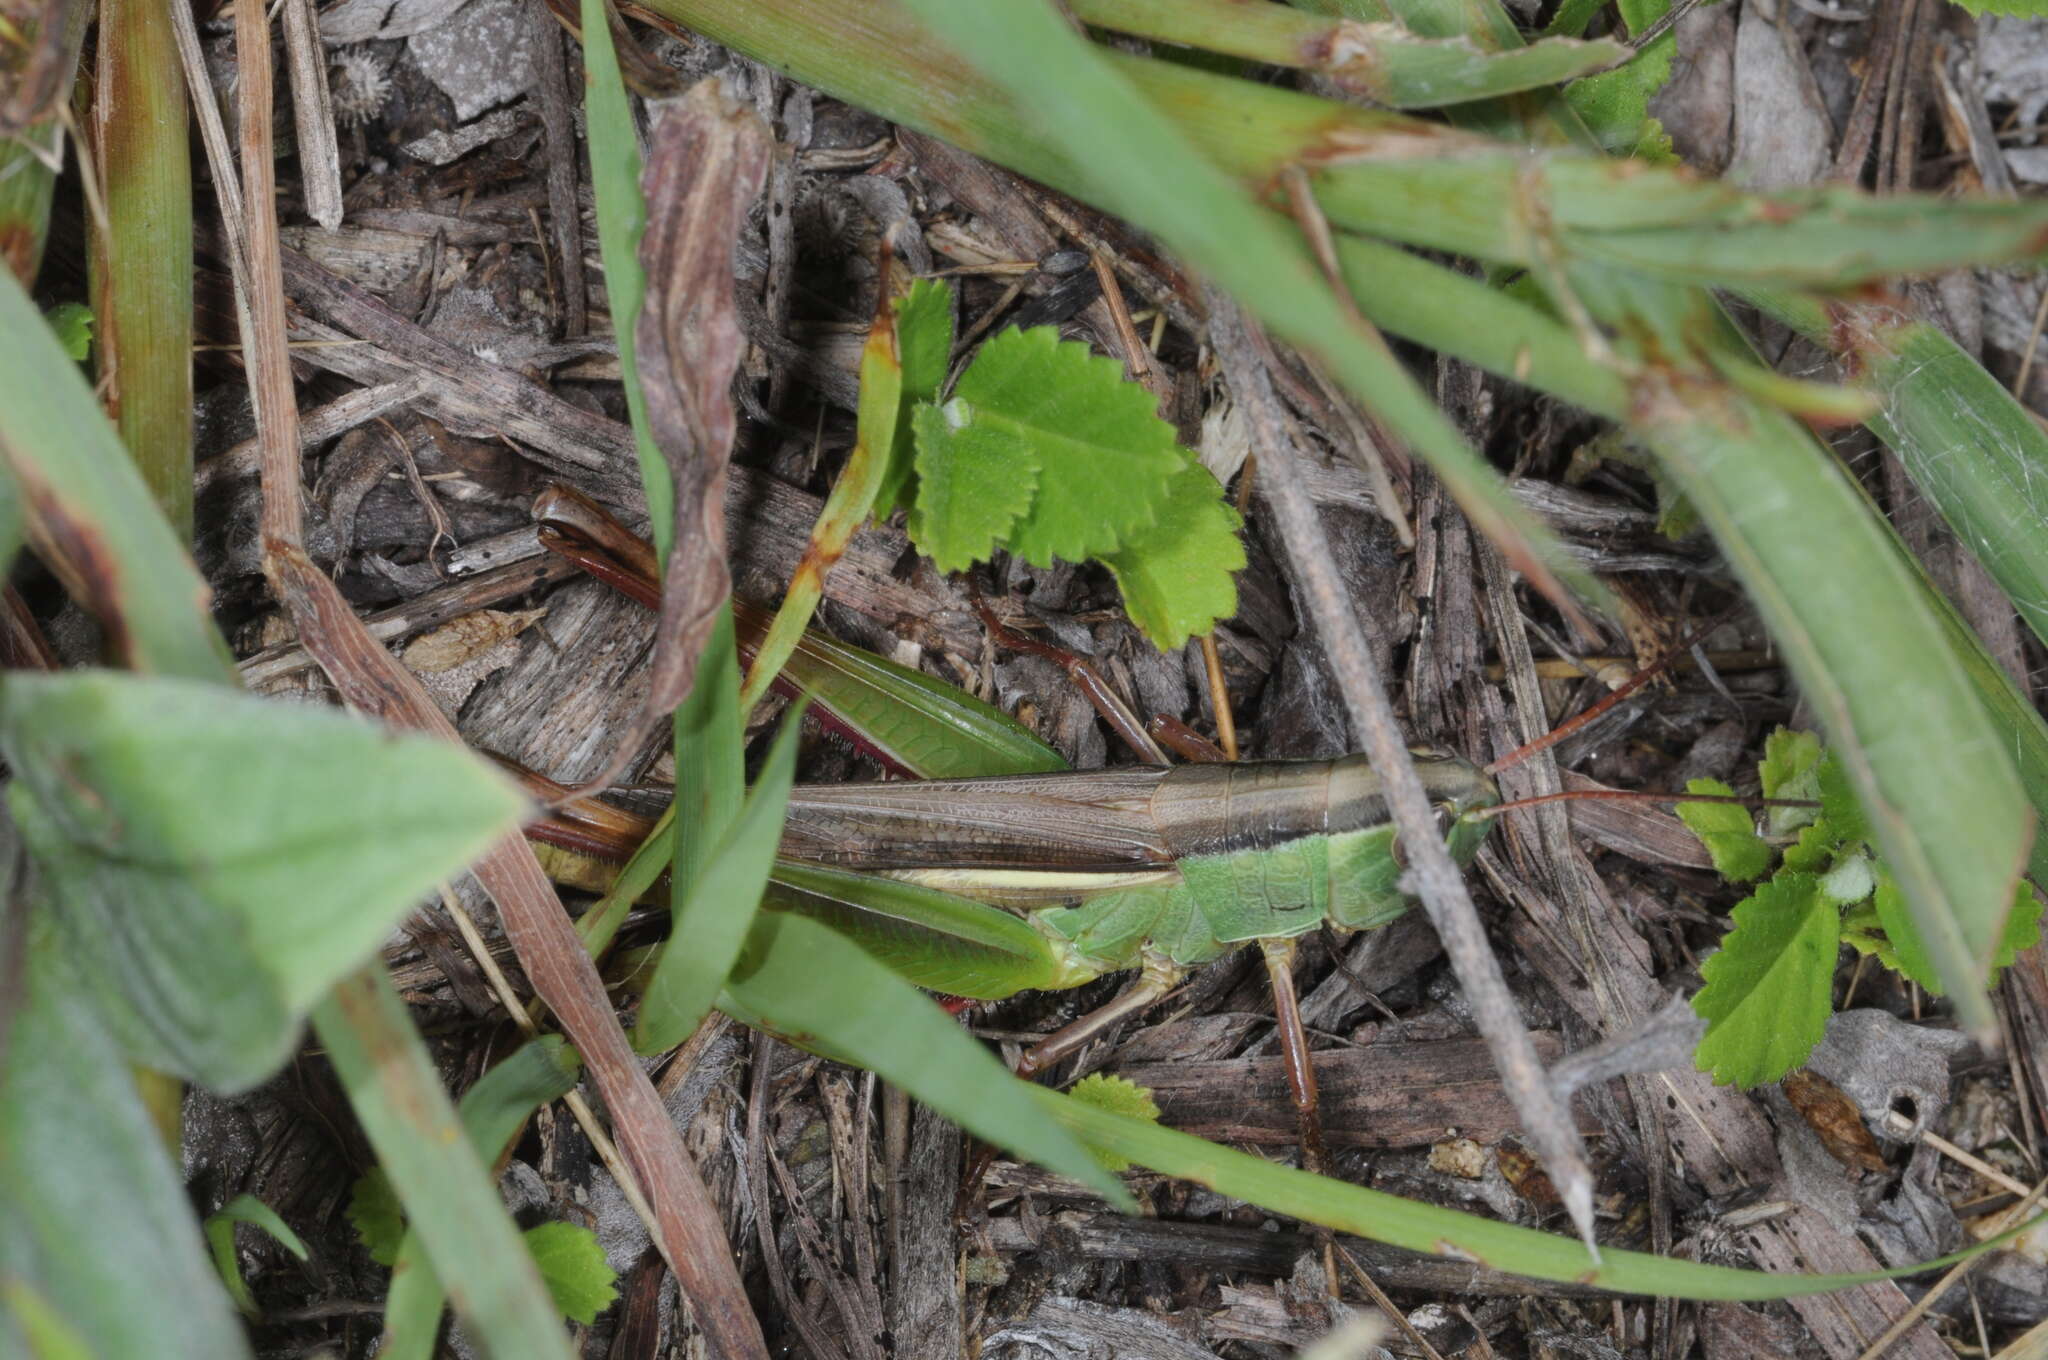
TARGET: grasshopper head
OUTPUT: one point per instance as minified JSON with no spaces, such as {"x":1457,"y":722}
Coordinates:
{"x":1365,"y":864}
{"x":1459,"y":789}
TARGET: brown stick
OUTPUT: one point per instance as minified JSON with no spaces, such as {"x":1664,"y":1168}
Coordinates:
{"x":1436,"y":878}
{"x":687,"y":1229}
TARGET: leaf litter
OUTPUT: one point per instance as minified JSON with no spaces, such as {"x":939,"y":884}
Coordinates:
{"x":471,"y":220}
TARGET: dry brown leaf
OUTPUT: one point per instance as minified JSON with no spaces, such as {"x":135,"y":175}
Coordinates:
{"x":706,"y":163}
{"x":1525,"y":1174}
{"x":1835,"y":1118}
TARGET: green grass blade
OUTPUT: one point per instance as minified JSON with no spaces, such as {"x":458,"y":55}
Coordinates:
{"x":1377,"y":61}
{"x":2021,"y":732}
{"x":1460,"y":315}
{"x":96,"y":1214}
{"x":31,"y":157}
{"x":801,"y":982}
{"x":451,"y":1201}
{"x":921,"y":727}
{"x":492,"y":1112}
{"x":709,"y":742}
{"x":1978,"y":454}
{"x":1436,"y":1231}
{"x":28,"y":186}
{"x":220,"y":1241}
{"x":142,"y":266}
{"x":706,"y":935}
{"x":649,"y":862}
{"x":931,"y":939}
{"x":621,"y":217}
{"x":852,"y":498}
{"x":711,"y":751}
{"x":1946,"y":807}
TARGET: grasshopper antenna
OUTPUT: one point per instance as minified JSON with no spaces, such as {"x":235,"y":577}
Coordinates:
{"x":1627,"y":687}
{"x":1631,"y":796}
{"x":1591,"y":715}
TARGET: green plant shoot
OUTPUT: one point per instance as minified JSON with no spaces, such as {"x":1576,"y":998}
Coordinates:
{"x":1768,"y":990}
{"x":1046,"y":450}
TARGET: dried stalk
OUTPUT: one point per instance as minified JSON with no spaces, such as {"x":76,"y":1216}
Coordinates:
{"x":1434,"y":877}
{"x":687,"y":1230}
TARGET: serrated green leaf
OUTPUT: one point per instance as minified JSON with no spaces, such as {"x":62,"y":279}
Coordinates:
{"x":1789,"y":758}
{"x":284,"y":876}
{"x":1790,"y":770}
{"x":924,"y":338}
{"x":1814,"y":850}
{"x":1728,"y":832}
{"x":1768,"y":989}
{"x":974,"y":481}
{"x":712,"y":925}
{"x":1862,"y":932}
{"x":579,"y":1279}
{"x":1177,"y":577}
{"x":924,"y":343}
{"x":220,"y":1239}
{"x":1102,"y":455}
{"x":376,"y":1215}
{"x":1120,"y":1096}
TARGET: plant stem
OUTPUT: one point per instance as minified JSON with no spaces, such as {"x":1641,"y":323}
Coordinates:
{"x":1435,"y":876}
{"x":142,"y":266}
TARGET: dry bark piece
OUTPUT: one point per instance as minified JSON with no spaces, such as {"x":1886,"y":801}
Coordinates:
{"x":481,"y":57}
{"x":466,"y":638}
{"x":1381,"y":1095}
{"x":354,"y":21}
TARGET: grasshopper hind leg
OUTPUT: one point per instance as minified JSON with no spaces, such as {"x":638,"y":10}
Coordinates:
{"x":1294,"y":1053}
{"x":1156,"y":977}
{"x":1301,"y":1082}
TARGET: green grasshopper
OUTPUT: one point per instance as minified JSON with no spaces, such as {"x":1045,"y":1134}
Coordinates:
{"x":984,"y":887}
{"x":1156,"y":869}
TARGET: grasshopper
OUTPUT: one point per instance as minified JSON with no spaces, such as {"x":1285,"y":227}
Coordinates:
{"x":984,"y":887}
